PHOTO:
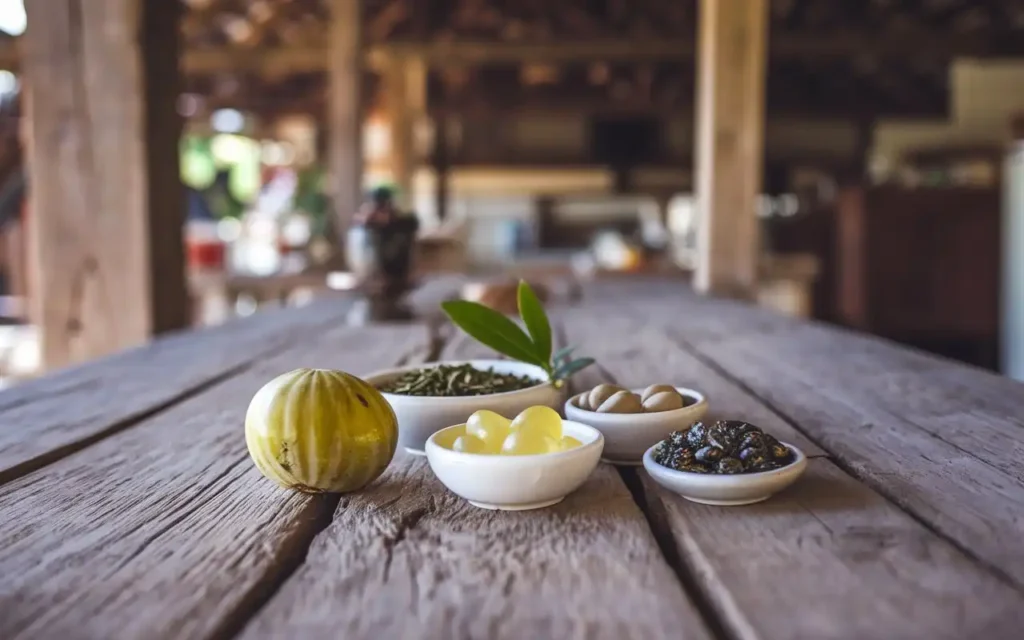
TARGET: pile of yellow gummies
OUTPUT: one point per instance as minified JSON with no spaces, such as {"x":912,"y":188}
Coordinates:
{"x":534,"y":431}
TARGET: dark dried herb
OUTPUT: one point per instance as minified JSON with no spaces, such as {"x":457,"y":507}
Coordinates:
{"x":709,"y":454}
{"x":456,"y":380}
{"x":726,"y":447}
{"x":729,"y":466}
{"x":696,"y":436}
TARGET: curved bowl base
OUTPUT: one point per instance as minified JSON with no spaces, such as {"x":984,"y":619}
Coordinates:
{"x":728,"y":503}
{"x":516,"y":507}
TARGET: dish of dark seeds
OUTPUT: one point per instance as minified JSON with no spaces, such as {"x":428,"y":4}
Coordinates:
{"x":727,"y":447}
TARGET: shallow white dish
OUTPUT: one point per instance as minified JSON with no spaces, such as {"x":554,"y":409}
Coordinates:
{"x":628,"y":435}
{"x":419,"y":417}
{"x":514,"y":483}
{"x":726,"y":490}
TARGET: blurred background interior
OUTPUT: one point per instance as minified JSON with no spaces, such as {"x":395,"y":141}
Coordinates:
{"x":559,"y":137}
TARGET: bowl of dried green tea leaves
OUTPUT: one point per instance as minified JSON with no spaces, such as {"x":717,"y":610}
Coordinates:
{"x":429,"y":397}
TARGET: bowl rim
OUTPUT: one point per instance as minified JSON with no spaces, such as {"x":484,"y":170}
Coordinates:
{"x":737,"y":479}
{"x":432,"y":445}
{"x":656,"y":416}
{"x":386,"y":373}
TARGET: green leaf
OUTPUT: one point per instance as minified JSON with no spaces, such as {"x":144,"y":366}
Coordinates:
{"x":562,"y":355}
{"x":570,"y":368}
{"x":493,"y":329}
{"x":536,"y":321}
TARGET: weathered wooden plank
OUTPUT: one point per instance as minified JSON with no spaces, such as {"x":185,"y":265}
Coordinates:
{"x":830,"y":558}
{"x":827,"y":558}
{"x":409,"y":559}
{"x":44,"y":419}
{"x":879,"y":409}
{"x":167,"y":530}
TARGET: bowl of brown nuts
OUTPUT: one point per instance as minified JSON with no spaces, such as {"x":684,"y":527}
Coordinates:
{"x":634,"y":420}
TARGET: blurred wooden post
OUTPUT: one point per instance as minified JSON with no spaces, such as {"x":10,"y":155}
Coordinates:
{"x":405,"y":98}
{"x":730,"y":141}
{"x":441,"y":164}
{"x":344,"y":114}
{"x":106,"y":205}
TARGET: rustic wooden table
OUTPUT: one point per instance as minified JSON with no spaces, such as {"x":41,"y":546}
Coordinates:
{"x":129,"y":507}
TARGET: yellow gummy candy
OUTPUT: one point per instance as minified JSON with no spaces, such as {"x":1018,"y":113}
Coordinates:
{"x":489,"y":427}
{"x":469,"y":444}
{"x":539,"y":421}
{"x":526,"y":443}
{"x":568,"y":442}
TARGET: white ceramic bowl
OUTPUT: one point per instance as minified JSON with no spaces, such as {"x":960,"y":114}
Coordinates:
{"x":419,"y":417}
{"x":726,"y":490}
{"x":514,"y":483}
{"x":628,"y":435}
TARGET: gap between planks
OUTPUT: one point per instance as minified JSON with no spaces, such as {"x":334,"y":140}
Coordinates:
{"x":59,"y":453}
{"x":652,"y":512}
{"x":740,"y":325}
{"x":883,"y":489}
{"x":298,"y":549}
{"x":96,"y":546}
{"x":656,"y":519}
{"x":117,"y":425}
{"x":981,"y":599}
{"x":424,"y":539}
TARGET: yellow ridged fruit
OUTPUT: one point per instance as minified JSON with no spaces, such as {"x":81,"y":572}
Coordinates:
{"x":318,"y":431}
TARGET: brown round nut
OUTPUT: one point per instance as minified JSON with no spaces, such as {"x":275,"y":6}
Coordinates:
{"x":600,"y":393}
{"x":663,"y":401}
{"x":657,"y":388}
{"x":582,"y":402}
{"x":621,"y":402}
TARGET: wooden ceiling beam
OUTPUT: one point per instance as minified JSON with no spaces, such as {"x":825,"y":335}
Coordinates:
{"x":916,"y":45}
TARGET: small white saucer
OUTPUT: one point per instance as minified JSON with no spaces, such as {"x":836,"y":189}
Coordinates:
{"x":726,"y":490}
{"x":514,"y":483}
{"x":628,"y":435}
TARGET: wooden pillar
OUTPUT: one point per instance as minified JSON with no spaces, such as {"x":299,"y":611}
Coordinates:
{"x":106,"y":206}
{"x":730,"y":143}
{"x":442,"y":165}
{"x":344,"y":111}
{"x":405,"y":99}
{"x":865,"y":146}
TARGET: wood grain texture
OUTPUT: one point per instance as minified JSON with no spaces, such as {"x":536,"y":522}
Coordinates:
{"x":48,"y":417}
{"x":167,"y":530}
{"x":941,"y":440}
{"x":409,"y":559}
{"x":97,"y":284}
{"x":827,"y":558}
